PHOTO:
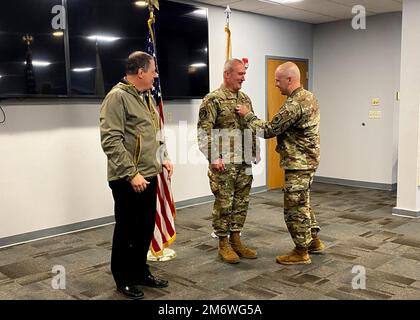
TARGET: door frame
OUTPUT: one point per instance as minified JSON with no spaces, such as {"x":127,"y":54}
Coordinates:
{"x":266,"y":99}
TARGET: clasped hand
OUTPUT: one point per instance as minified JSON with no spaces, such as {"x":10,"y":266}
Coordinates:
{"x":241,"y":110}
{"x":139,"y":183}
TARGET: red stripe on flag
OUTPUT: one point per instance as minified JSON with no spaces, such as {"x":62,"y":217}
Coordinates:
{"x":168,"y":194}
{"x":166,"y":215}
{"x":164,"y":219}
{"x":168,"y":225}
{"x":162,"y":214}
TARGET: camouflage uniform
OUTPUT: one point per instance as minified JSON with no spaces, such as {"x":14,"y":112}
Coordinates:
{"x":296,"y":127}
{"x":222,"y":134}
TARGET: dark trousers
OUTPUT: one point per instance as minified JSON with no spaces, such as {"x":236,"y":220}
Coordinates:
{"x":135,"y":215}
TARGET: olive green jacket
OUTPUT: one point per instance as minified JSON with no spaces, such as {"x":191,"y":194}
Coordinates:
{"x":130,"y":134}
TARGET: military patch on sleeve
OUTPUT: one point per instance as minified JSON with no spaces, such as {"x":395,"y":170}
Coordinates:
{"x":203,"y":114}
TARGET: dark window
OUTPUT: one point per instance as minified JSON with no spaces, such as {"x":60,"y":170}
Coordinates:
{"x":101,"y":34}
{"x":32,"y":20}
{"x":121,"y":28}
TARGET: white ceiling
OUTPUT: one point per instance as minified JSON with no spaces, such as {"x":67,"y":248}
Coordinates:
{"x":311,"y":11}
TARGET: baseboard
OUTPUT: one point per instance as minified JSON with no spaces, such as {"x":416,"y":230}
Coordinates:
{"x":55,"y":231}
{"x":355,"y":183}
{"x":405,"y":213}
{"x":94,"y":223}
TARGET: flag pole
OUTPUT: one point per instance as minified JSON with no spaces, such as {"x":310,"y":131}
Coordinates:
{"x":163,"y":201}
{"x":227,"y":30}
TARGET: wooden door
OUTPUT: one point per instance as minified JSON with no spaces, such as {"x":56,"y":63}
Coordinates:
{"x":275,"y":174}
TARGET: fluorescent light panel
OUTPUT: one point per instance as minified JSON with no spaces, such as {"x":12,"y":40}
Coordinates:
{"x":39,"y":63}
{"x":141,"y":4}
{"x":198,"y":65}
{"x":98,"y":37}
{"x":58,"y":33}
{"x":82,"y":69}
{"x":199,"y":13}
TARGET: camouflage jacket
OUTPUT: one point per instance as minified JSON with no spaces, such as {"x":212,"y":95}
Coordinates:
{"x":296,"y":126}
{"x":221,"y":132}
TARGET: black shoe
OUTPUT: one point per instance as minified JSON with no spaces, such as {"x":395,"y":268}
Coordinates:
{"x":152,"y":281}
{"x":131,"y":291}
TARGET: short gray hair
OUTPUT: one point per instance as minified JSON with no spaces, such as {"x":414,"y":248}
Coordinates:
{"x":229,"y":64}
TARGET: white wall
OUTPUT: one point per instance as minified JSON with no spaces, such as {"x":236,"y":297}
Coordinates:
{"x":52,"y":169}
{"x":408,"y":196}
{"x":350,"y":68}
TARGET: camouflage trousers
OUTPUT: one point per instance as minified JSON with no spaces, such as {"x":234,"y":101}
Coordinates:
{"x":231,"y":190}
{"x":298,"y":214}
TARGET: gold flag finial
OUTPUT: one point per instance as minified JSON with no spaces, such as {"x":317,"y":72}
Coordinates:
{"x":153,"y":3}
{"x":227,"y":13}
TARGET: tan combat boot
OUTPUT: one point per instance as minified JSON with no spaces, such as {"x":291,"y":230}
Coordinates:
{"x":226,"y":252}
{"x":241,"y":250}
{"x":297,"y":256}
{"x":316,"y":245}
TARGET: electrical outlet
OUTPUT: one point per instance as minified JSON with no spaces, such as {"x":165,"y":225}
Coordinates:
{"x":375,"y":114}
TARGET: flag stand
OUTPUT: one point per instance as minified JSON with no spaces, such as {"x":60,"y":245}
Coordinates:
{"x":168,"y":254}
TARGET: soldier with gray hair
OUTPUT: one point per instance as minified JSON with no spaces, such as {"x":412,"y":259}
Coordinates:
{"x":230,"y":147}
{"x":296,"y":127}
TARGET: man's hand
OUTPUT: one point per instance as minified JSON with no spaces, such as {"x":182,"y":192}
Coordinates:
{"x":242,"y":110}
{"x":218,"y":165}
{"x":170,"y":167}
{"x":139,"y":183}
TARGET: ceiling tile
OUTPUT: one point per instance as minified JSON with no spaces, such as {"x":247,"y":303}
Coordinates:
{"x":373,"y":5}
{"x":293,"y":14}
{"x":323,"y":7}
{"x":216,"y":2}
{"x":311,"y":11}
{"x":249,"y":5}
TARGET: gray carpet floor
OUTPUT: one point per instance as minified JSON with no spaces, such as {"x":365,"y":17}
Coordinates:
{"x":361,"y":235}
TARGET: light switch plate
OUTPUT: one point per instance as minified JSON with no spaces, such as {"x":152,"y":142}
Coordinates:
{"x":375,"y":102}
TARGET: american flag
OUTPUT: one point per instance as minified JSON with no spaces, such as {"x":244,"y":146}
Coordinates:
{"x":164,"y":233}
